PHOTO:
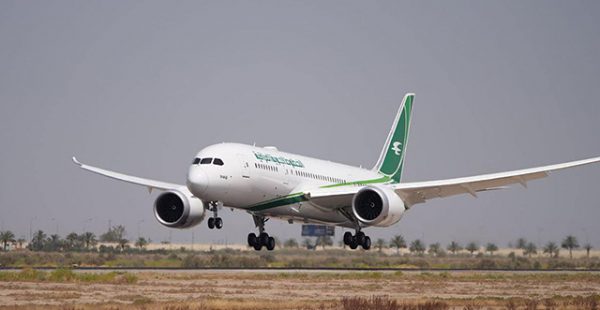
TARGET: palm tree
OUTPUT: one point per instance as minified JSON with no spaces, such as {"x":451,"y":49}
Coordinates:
{"x":472,"y":247}
{"x":380,"y":244}
{"x":417,"y":246}
{"x":490,"y":247}
{"x":435,"y":248}
{"x":530,"y":249}
{"x":72,"y":240}
{"x":123,"y":244}
{"x":324,"y":241}
{"x":38,"y":241}
{"x":398,"y":242}
{"x":89,"y":240}
{"x":141,"y":243}
{"x":307,"y":244}
{"x":290,"y":243}
{"x":54,"y":242}
{"x":588,"y":247}
{"x":570,"y":243}
{"x":6,"y":237}
{"x":551,"y":249}
{"x":454,"y":247}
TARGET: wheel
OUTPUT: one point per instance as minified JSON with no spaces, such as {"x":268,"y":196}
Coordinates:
{"x":252,"y":240}
{"x":270,"y":243}
{"x":366,"y":243}
{"x":347,"y":238}
{"x":211,"y":223}
{"x":353,"y":243}
{"x":360,"y":238}
{"x":257,"y":246}
{"x":263,"y":238}
{"x":218,"y":223}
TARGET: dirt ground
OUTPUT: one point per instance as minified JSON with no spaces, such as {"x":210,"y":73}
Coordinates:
{"x":298,"y":290}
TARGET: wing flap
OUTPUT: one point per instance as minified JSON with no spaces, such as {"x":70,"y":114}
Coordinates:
{"x":149,"y":183}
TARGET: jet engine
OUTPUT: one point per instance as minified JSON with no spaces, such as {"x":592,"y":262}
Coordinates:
{"x":179,"y":209}
{"x":377,"y":206}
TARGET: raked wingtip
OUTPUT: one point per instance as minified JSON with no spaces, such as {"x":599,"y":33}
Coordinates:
{"x":75,"y":161}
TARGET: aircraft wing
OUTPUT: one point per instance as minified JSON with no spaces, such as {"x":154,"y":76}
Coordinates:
{"x":419,"y":192}
{"x":150,"y":184}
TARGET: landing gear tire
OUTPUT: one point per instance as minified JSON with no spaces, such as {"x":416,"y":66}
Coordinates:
{"x":211,"y":223}
{"x":353,"y":244}
{"x":257,"y":246}
{"x":347,"y":238}
{"x":270,"y":243}
{"x":252,"y":239}
{"x":263,"y":238}
{"x":218,"y":222}
{"x":360,"y":238}
{"x":366,"y":244}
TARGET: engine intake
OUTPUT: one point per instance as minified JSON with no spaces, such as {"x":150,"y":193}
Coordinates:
{"x":178,"y":209}
{"x":377,"y":205}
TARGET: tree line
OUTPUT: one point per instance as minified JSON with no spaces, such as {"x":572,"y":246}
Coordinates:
{"x":86,"y":241}
{"x":419,"y":247}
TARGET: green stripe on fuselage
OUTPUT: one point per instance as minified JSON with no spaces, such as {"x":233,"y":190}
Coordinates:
{"x":278,"y":202}
{"x":299,"y":197}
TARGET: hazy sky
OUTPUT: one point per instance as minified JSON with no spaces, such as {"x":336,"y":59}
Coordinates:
{"x":141,"y":86}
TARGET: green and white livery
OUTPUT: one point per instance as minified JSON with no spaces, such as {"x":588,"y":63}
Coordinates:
{"x":268,"y":183}
{"x":391,"y":160}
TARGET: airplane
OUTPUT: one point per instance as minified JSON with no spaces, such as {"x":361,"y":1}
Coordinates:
{"x":268,"y":183}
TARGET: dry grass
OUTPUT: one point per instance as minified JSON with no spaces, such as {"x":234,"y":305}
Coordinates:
{"x":66,"y":275}
{"x":318,"y":290}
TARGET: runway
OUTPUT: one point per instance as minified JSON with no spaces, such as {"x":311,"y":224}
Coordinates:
{"x":301,"y":269}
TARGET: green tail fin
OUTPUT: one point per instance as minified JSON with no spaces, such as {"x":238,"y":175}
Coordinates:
{"x":391,"y":160}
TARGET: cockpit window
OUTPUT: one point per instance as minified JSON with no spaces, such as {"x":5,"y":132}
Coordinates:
{"x":206,"y":161}
{"x":218,"y":162}
{"x":196,"y":161}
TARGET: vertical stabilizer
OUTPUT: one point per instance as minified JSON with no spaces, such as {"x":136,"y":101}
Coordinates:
{"x":391,"y":160}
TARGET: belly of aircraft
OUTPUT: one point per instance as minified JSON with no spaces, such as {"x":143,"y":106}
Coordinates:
{"x":306,"y":212}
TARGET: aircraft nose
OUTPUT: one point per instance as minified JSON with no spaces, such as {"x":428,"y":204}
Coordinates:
{"x":197,"y":181}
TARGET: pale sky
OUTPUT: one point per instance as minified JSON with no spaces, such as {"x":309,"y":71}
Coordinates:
{"x":141,"y":86}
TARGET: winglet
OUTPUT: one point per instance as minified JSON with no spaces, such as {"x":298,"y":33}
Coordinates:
{"x":75,"y":161}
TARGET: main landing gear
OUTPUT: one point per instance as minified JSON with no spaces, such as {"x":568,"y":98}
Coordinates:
{"x":353,"y":241}
{"x":263,"y":239}
{"x":215,"y":221}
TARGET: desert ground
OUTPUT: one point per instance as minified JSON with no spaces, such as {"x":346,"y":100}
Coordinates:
{"x":302,"y":290}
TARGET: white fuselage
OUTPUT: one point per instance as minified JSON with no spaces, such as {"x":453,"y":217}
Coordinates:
{"x":263,"y":181}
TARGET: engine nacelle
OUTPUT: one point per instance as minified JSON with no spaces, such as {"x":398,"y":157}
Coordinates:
{"x":179,"y":209}
{"x":377,"y":206}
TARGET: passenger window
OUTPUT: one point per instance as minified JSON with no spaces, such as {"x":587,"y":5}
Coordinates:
{"x":196,"y":161}
{"x":218,"y":162}
{"x":206,"y":161}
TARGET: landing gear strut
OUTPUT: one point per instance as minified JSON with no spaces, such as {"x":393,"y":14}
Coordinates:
{"x":263,"y":239}
{"x":353,"y":241}
{"x":215,"y":221}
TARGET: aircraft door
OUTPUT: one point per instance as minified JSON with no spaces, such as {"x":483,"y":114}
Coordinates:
{"x":245,"y":169}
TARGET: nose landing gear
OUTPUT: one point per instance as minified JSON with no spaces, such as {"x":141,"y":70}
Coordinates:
{"x":263,"y":239}
{"x":215,"y":221}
